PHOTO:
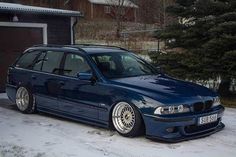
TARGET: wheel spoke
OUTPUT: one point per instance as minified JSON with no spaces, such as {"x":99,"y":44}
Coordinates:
{"x":22,"y":98}
{"x":123,"y":117}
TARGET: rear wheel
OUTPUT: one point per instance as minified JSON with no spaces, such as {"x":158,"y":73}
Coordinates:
{"x":127,"y":120}
{"x":25,"y":101}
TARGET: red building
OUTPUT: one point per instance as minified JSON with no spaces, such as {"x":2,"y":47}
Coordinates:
{"x":92,"y":9}
{"x":106,"y":9}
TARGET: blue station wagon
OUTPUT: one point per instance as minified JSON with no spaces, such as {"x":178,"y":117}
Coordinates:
{"x":111,"y":87}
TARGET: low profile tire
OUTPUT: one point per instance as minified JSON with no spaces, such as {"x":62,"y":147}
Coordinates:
{"x":127,"y":120}
{"x":25,"y":100}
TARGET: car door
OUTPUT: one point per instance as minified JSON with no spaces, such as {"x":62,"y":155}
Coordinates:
{"x":78,"y":97}
{"x":46,"y":80}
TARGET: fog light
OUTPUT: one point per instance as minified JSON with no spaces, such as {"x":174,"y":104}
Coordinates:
{"x":170,"y":130}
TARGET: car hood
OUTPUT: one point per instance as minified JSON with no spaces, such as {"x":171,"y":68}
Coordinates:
{"x":166,"y":89}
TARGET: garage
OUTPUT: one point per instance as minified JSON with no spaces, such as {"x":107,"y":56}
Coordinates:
{"x":23,"y":26}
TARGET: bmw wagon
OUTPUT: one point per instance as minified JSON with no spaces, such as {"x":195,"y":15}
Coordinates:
{"x":114,"y":88}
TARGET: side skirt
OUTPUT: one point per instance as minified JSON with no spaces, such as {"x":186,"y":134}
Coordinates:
{"x":74,"y":118}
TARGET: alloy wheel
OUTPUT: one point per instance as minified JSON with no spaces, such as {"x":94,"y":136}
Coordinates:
{"x":22,"y":98}
{"x":123,"y":117}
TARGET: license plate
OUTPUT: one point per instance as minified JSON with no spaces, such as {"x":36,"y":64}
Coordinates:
{"x":207,"y":119}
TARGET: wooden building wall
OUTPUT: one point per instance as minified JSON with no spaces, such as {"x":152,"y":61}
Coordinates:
{"x":58,"y":27}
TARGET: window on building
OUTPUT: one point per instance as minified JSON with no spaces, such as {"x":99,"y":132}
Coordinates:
{"x":107,"y":9}
{"x":123,"y":11}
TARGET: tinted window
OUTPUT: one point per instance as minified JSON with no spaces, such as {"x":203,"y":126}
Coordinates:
{"x":51,"y":62}
{"x":75,"y":64}
{"x":118,"y":65}
{"x":39,"y":62}
{"x":27,"y":60}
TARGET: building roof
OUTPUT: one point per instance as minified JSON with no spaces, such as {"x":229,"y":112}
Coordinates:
{"x":19,"y":8}
{"x":127,"y":3}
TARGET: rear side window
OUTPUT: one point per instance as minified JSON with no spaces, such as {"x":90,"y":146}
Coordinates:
{"x":27,"y":60}
{"x":39,"y":62}
{"x":51,"y":62}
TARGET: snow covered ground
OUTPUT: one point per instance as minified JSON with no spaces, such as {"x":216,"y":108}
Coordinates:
{"x":41,"y":135}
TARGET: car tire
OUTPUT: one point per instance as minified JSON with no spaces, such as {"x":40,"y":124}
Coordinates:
{"x":25,"y":101}
{"x":127,"y":120}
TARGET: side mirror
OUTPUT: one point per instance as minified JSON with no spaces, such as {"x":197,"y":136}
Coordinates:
{"x":159,"y":69}
{"x":85,"y":76}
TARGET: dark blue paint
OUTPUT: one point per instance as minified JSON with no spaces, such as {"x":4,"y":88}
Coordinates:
{"x":92,"y":101}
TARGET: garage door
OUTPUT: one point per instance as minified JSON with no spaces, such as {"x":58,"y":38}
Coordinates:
{"x":13,"y":41}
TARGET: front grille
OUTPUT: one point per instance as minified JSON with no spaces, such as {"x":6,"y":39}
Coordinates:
{"x":195,"y":128}
{"x":208,"y":104}
{"x":198,"y":107}
{"x":202,"y":106}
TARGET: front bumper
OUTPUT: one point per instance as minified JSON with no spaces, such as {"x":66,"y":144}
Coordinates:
{"x":182,"y":127}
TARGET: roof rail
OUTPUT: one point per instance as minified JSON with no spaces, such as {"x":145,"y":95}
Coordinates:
{"x":111,"y":46}
{"x":47,"y":45}
{"x":78,"y":46}
{"x":59,"y":46}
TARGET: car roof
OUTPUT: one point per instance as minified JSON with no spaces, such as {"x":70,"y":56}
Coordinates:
{"x":86,"y":48}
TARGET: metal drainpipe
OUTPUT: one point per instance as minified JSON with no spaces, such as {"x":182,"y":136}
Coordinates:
{"x":73,"y":27}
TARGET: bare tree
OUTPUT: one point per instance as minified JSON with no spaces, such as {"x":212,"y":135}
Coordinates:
{"x":119,"y":10}
{"x":148,"y":12}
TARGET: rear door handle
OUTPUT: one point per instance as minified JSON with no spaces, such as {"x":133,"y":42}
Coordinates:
{"x":62,"y":83}
{"x":33,"y":77}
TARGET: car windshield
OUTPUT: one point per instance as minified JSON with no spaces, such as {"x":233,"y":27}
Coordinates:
{"x":120,"y":65}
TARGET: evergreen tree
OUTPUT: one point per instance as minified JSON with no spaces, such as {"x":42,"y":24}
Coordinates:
{"x":202,"y":42}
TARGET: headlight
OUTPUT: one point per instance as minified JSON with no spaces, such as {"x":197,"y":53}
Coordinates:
{"x":216,"y":101}
{"x":171,"y":109}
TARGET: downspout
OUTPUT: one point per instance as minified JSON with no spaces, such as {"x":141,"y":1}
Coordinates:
{"x":75,"y":21}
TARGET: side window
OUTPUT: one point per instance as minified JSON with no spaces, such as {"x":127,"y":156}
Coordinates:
{"x":51,"y":62}
{"x":27,"y":60}
{"x":39,"y":62}
{"x":105,"y":62}
{"x":75,"y":64}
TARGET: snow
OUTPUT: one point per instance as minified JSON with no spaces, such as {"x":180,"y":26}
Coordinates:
{"x":3,"y":96}
{"x":126,"y":3}
{"x":42,"y":135}
{"x":20,"y":7}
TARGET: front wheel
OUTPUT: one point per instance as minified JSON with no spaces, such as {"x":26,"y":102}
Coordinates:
{"x":25,"y":101}
{"x":127,"y":120}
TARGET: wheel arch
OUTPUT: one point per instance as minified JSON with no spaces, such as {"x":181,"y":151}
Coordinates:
{"x":27,"y":85}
